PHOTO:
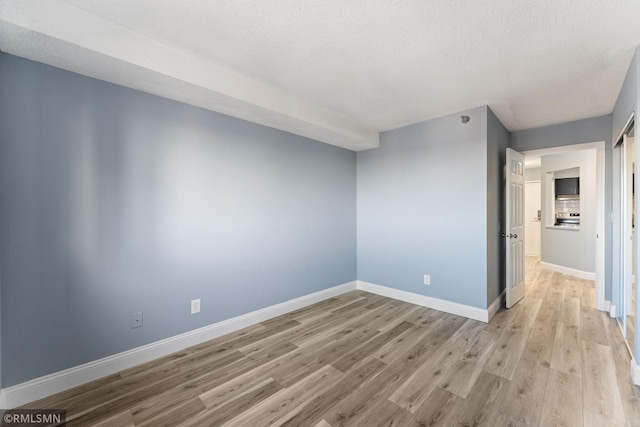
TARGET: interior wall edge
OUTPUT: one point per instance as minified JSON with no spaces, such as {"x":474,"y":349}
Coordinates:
{"x":587,"y":275}
{"x":470,"y":312}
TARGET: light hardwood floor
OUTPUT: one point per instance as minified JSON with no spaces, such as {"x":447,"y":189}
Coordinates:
{"x":365,"y":360}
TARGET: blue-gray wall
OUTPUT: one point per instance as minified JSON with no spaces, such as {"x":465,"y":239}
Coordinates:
{"x":422,"y":209}
{"x":594,"y":129}
{"x":497,"y":143}
{"x":114,"y":201}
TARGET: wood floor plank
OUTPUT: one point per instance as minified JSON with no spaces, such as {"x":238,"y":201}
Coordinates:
{"x":572,"y":288}
{"x":364,"y":350}
{"x":502,"y":319}
{"x":563,"y":400}
{"x":483,"y":403}
{"x":554,"y":294}
{"x":570,"y":313}
{"x":600,"y":388}
{"x":439,"y":409}
{"x":509,"y":348}
{"x":123,"y":419}
{"x":465,"y":372}
{"x":594,"y":419}
{"x":354,"y":409}
{"x":313,"y":411}
{"x":390,"y":318}
{"x":393,"y":350}
{"x":313,"y":331}
{"x":233,"y":389}
{"x":245,"y":401}
{"x":567,"y":349}
{"x":384,"y":413}
{"x":289,"y":374}
{"x":588,"y":294}
{"x":412,"y":393}
{"x":592,"y":328}
{"x":169,"y":401}
{"x":270,"y":352}
{"x":538,"y":348}
{"x":173,"y":416}
{"x":524,"y":395}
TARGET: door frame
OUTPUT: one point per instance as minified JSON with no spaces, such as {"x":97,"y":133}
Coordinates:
{"x":599,"y":146}
{"x":539,"y":182}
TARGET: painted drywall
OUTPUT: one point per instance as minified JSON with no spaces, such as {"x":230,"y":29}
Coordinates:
{"x":497,"y":143}
{"x":532,"y":174}
{"x":572,"y":248}
{"x":422,"y":209}
{"x":593,"y":129}
{"x":577,"y":132}
{"x":114,"y":201}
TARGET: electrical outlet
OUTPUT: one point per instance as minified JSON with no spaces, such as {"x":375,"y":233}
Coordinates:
{"x":195,"y":306}
{"x":136,"y":320}
{"x":427,"y":279}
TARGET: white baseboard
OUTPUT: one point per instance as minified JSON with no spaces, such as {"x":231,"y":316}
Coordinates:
{"x":587,"y":275}
{"x":612,"y":311}
{"x":497,"y":304}
{"x":606,"y":306}
{"x":39,"y":388}
{"x":635,"y":372}
{"x":438,"y":304}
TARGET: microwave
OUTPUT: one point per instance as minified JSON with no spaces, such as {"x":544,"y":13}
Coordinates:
{"x":567,"y":186}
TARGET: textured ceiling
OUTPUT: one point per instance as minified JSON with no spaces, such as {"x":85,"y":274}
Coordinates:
{"x":341,"y":71}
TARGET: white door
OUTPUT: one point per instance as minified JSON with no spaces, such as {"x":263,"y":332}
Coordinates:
{"x":532,"y":207}
{"x":514,"y":235}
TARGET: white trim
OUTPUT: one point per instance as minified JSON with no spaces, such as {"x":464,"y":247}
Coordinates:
{"x":497,"y":303}
{"x":588,"y":275}
{"x":600,"y":229}
{"x":635,"y":372}
{"x":39,"y":388}
{"x":624,"y":129}
{"x":612,"y":311}
{"x":438,"y":304}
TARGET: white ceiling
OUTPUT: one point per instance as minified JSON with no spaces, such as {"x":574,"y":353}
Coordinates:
{"x":342,"y":71}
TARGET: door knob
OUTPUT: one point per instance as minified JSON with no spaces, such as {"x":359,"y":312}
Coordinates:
{"x":515,"y":236}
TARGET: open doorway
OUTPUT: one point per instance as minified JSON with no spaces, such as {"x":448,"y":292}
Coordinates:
{"x":556,"y":254}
